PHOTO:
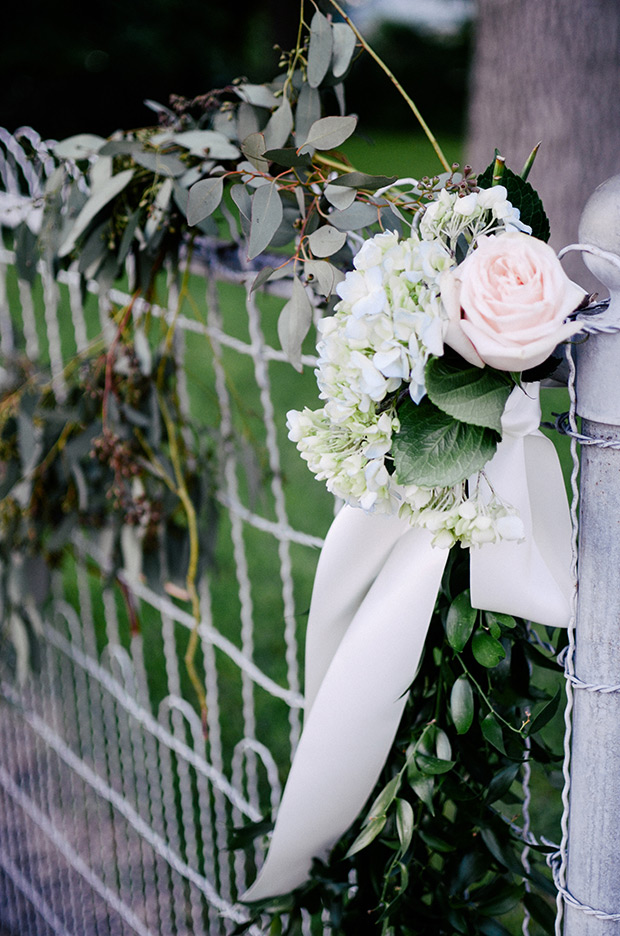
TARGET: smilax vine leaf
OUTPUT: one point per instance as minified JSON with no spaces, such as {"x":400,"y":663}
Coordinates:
{"x":434,"y":450}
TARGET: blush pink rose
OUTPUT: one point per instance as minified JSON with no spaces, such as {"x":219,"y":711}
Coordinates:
{"x":508,"y":301}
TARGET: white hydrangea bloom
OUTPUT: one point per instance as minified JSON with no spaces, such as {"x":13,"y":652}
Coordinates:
{"x":374,"y":350}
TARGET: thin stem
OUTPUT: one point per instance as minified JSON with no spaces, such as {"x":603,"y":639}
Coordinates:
{"x":397,"y":85}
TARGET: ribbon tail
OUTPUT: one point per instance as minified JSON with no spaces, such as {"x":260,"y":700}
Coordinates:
{"x":531,"y":579}
{"x":360,"y":698}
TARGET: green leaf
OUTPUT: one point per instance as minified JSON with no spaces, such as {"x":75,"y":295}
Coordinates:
{"x":474,"y":395}
{"x":93,"y":206}
{"x":326,"y":241}
{"x":339,"y":197}
{"x":422,"y":785}
{"x":522,"y":196}
{"x":361,"y":180}
{"x":504,"y":620}
{"x":203,"y":198}
{"x":320,"y":49}
{"x":324,"y":275}
{"x":367,"y":835}
{"x":81,"y":146}
{"x":254,"y":148}
{"x":435,"y":843}
{"x":328,"y":133}
{"x":294,"y":323}
{"x":434,"y":450}
{"x":404,"y":823}
{"x":492,"y":731}
{"x":267,"y":214}
{"x":501,"y":782}
{"x":308,"y":111}
{"x":279,"y":127}
{"x":161,"y":164}
{"x":433,"y":765}
{"x":462,"y":705}
{"x":287,"y":158}
{"x":460,"y":621}
{"x":344,"y":47}
{"x":546,"y":713}
{"x":486,"y":649}
{"x":356,"y":216}
{"x":385,"y":798}
{"x":540,"y":911}
{"x":262,"y":278}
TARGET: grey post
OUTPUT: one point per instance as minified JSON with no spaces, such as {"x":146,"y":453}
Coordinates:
{"x":594,"y":825}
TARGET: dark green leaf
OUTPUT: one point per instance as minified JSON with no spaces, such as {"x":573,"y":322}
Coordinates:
{"x":504,"y":620}
{"x":361,"y":180}
{"x":385,"y":798}
{"x":492,"y":731}
{"x":546,"y":713}
{"x":435,"y":843}
{"x":434,"y":450}
{"x":486,"y":649}
{"x":462,"y":705}
{"x":540,"y":911}
{"x":475,"y":395}
{"x":501,"y":897}
{"x":320,"y":49}
{"x":287,"y":158}
{"x":433,"y":765}
{"x":501,"y":782}
{"x":522,"y":196}
{"x":460,"y":621}
{"x":367,"y":835}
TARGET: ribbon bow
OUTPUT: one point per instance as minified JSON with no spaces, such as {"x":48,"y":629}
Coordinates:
{"x":374,"y":594}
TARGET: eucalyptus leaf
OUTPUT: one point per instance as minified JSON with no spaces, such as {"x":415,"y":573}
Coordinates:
{"x":80,"y":146}
{"x":462,"y":705}
{"x":344,"y":46}
{"x":280,"y":126}
{"x":254,"y":148}
{"x":205,"y":143}
{"x":258,"y":95}
{"x":324,"y":274}
{"x":460,"y":621}
{"x":326,"y":241}
{"x":486,"y":649}
{"x":203,"y":198}
{"x":475,"y":395}
{"x":339,"y":197}
{"x":307,"y":111}
{"x":93,"y":206}
{"x":161,"y":164}
{"x":294,"y":323}
{"x":267,"y":214}
{"x":320,"y":49}
{"x":262,"y":278}
{"x":356,"y":216}
{"x":243,"y":201}
{"x":247,"y":120}
{"x":328,"y":133}
{"x":434,"y":450}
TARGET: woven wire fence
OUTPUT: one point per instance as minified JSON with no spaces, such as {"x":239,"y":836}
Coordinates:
{"x":116,"y":805}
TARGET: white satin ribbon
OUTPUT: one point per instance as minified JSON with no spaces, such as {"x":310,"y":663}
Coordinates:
{"x":374,"y":594}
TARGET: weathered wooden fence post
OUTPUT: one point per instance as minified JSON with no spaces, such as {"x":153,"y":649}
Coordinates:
{"x":594,"y":826}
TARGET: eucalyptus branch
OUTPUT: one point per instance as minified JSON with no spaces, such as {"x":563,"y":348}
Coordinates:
{"x":192,"y":566}
{"x":430,"y":136}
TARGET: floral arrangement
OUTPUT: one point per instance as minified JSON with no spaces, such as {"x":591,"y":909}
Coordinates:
{"x":431,"y":334}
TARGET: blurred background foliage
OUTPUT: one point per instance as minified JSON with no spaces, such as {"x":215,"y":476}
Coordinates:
{"x":78,"y":67}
